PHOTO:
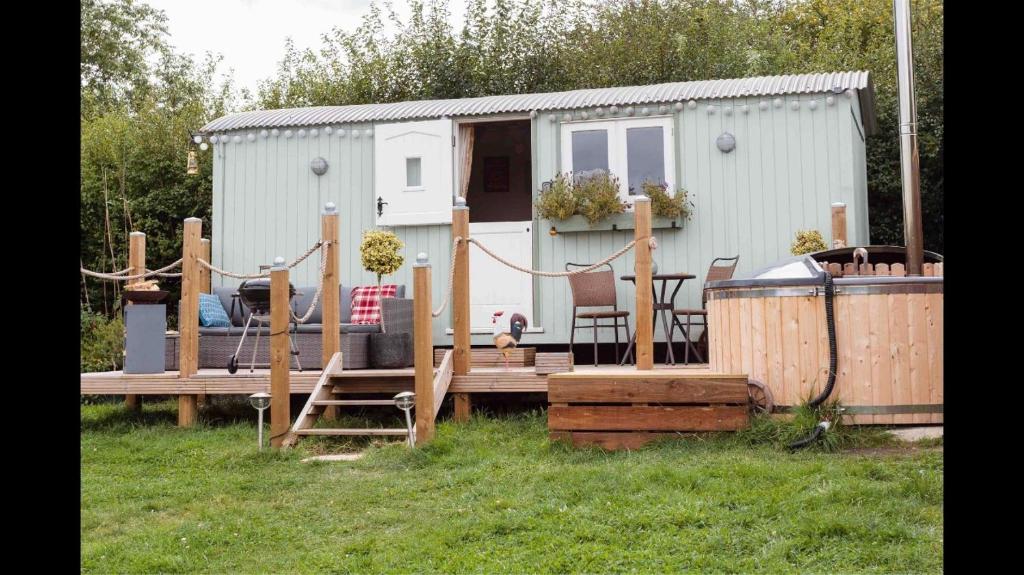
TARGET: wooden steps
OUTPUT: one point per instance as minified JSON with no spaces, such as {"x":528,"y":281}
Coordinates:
{"x":354,"y":402}
{"x":334,"y":381}
{"x":625,"y":410}
{"x":353,"y":432}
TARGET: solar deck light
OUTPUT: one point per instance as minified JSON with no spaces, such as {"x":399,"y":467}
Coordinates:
{"x":405,"y":401}
{"x":260,"y":401}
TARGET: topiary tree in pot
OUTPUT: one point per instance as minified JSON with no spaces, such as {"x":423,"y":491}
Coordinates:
{"x":380,"y":254}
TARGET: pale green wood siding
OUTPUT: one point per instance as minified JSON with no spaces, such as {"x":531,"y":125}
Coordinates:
{"x":788,"y":167}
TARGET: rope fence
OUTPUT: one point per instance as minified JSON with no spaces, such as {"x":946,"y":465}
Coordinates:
{"x":455,"y":244}
{"x":118,"y":275}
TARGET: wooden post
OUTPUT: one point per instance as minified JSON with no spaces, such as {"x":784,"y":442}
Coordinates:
{"x":205,"y":286}
{"x":137,"y":265}
{"x":838,"y":225}
{"x":644,"y":303}
{"x":462,"y":357}
{"x":205,"y":280}
{"x":280,"y":354}
{"x":463,"y":407}
{"x":424,"y":350}
{"x":330,"y":296}
{"x":188,"y":318}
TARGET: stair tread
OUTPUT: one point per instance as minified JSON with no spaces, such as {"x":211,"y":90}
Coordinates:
{"x":354,"y":402}
{"x":350,"y":431}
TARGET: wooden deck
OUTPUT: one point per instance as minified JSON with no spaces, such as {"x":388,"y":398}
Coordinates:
{"x":220,"y":382}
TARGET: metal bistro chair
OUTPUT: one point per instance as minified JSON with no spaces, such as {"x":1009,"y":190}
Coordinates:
{"x":715,"y":272}
{"x":596,"y":289}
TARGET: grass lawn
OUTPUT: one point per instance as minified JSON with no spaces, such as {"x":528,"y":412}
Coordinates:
{"x":493,"y":495}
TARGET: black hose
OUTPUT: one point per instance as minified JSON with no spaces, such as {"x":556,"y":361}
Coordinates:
{"x":830,"y":321}
{"x":818,"y":431}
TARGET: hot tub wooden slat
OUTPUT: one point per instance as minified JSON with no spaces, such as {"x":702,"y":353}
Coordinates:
{"x":757,"y":329}
{"x":746,"y":350}
{"x":790,"y":352}
{"x":881,"y":359}
{"x":863,"y":390}
{"x":901,"y":353}
{"x":919,"y":368}
{"x":933,"y":313}
{"x":773,"y":333}
{"x":811,"y":380}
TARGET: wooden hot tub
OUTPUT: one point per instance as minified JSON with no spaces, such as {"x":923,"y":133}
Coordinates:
{"x":888,"y":338}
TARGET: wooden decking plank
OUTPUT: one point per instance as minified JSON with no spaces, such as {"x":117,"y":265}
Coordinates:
{"x":629,"y":418}
{"x":355,"y":431}
{"x":676,"y":389}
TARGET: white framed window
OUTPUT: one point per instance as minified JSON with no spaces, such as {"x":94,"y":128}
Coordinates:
{"x":632,"y":149}
{"x":414,"y":174}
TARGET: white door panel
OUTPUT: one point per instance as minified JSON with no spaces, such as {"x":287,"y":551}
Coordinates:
{"x":494,"y":286}
{"x":413,"y":172}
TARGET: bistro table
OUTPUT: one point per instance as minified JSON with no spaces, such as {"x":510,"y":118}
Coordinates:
{"x":660,"y":304}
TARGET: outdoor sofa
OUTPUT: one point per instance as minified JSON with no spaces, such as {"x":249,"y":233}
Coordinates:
{"x":217,"y":344}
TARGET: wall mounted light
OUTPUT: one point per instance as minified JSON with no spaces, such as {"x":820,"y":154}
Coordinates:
{"x":319,"y":166}
{"x":726,"y":142}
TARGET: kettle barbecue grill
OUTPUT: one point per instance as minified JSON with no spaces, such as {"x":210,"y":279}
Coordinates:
{"x":255,"y":294}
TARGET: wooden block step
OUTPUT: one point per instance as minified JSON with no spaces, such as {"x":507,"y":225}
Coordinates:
{"x":610,"y":440}
{"x":646,"y":418}
{"x":546,"y":363}
{"x":491,"y":357}
{"x":367,"y":431}
{"x":354,"y":402}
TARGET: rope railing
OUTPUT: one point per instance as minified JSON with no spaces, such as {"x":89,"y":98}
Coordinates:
{"x":451,"y":279}
{"x":455,"y":244}
{"x":117,"y":276}
{"x":319,"y":287}
{"x":318,"y":245}
{"x":541,"y":273}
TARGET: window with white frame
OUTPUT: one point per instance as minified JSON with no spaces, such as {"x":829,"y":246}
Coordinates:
{"x":632,"y":149}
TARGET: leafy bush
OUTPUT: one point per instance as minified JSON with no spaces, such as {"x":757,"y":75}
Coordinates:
{"x":594,"y":196}
{"x":807,"y":241}
{"x":597,"y":197}
{"x":664,"y":205}
{"x":558,"y":201}
{"x":102,"y":342}
{"x":379,"y":252}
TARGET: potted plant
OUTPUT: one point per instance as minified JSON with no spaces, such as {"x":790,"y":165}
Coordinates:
{"x":379,"y":253}
{"x":807,"y":242}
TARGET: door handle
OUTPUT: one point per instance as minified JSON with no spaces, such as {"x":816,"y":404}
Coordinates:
{"x":380,"y":206}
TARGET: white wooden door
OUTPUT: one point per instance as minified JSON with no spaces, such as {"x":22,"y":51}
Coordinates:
{"x":494,"y":286}
{"x":413,"y":172}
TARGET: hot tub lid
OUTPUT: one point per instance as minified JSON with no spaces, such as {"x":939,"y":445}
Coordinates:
{"x":794,"y":270}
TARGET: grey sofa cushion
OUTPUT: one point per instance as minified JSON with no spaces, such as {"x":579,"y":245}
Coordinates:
{"x":241,"y":312}
{"x":234,"y":330}
{"x":345,"y":328}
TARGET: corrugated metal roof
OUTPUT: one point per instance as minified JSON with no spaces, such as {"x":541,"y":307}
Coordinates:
{"x":518,"y":103}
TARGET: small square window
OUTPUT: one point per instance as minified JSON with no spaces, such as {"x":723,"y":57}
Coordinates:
{"x":413,"y":173}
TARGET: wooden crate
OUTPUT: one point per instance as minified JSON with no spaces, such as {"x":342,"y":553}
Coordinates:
{"x":627,"y":410}
{"x":491,"y":357}
{"x":546,"y":363}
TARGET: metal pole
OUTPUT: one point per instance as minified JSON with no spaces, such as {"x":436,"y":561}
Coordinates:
{"x":260,"y":436}
{"x":909,"y":159}
{"x":408,"y":424}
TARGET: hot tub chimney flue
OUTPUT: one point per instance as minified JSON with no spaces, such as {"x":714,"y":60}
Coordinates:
{"x":909,"y":159}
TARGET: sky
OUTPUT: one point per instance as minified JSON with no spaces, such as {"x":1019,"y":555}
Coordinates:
{"x":250,"y":34}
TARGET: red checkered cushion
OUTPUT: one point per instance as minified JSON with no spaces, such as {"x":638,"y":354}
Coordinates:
{"x":366,"y":302}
